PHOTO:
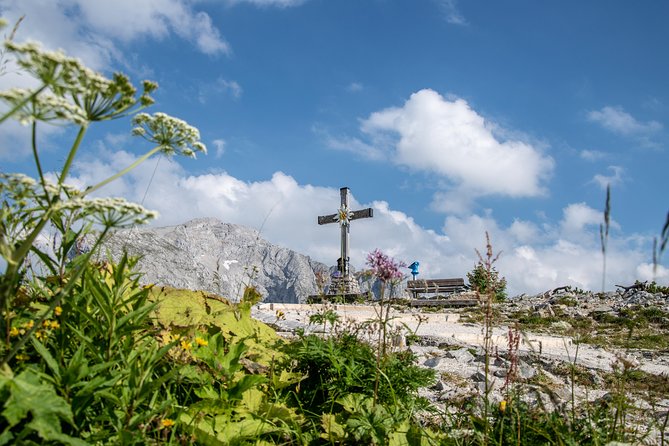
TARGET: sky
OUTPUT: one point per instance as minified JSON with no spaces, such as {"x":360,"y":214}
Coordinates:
{"x":451,"y":118}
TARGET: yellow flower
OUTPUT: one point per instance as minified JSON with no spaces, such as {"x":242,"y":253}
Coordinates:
{"x":22,"y":357}
{"x":502,"y":405}
{"x":29,"y":324}
{"x":166,"y":422}
{"x":58,"y":311}
{"x":39,"y":334}
{"x":54,"y":325}
{"x":14,"y":332}
{"x":186,"y":345}
{"x":46,"y":323}
{"x":201,"y":342}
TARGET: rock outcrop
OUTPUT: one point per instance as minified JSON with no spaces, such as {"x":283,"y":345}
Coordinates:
{"x":207,"y":254}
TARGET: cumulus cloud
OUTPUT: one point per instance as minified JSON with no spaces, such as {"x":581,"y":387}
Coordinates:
{"x":354,"y":87}
{"x":616,"y":177}
{"x":432,"y":134}
{"x":618,"y":121}
{"x":534,"y":258}
{"x":88,"y":30}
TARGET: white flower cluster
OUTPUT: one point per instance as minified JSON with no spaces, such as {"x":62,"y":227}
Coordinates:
{"x":45,"y":107}
{"x":172,"y":135}
{"x":113,"y":212}
{"x":110,"y":212}
{"x":97,"y":97}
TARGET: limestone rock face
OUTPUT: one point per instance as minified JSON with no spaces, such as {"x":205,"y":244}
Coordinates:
{"x":207,"y":254}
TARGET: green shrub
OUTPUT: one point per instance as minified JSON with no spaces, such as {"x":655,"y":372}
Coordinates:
{"x":487,"y":281}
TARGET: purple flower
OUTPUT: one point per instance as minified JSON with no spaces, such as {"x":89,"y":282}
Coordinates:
{"x":383,"y":267}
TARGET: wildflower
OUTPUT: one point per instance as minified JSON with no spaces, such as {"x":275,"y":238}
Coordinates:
{"x":186,"y":345}
{"x":110,"y":212}
{"x":40,"y":335}
{"x":172,"y":135}
{"x":58,"y":311}
{"x":22,"y":357}
{"x":14,"y":332}
{"x":201,"y":341}
{"x":28,"y":325}
{"x":166,"y":422}
{"x":383,"y":267}
{"x":93,"y":97}
{"x":502,"y":406}
{"x":54,"y":325}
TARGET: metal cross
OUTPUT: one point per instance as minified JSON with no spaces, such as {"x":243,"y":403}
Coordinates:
{"x":344,"y":217}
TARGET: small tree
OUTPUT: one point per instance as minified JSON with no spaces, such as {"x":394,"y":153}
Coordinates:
{"x":484,"y":281}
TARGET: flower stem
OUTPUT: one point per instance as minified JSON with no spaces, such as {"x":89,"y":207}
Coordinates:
{"x":139,"y":161}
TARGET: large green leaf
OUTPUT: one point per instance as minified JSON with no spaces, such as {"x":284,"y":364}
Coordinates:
{"x":28,"y":394}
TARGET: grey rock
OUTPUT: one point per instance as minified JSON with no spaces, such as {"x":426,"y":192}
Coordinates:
{"x":207,"y":254}
{"x":432,"y":362}
{"x":463,"y":356}
{"x":526,"y":371}
{"x":478,"y":377}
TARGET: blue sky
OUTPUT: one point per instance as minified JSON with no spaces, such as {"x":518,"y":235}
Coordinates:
{"x":450,"y":118}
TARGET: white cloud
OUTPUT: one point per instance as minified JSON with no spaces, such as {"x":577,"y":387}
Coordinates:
{"x":88,"y":29}
{"x":452,"y":13}
{"x":220,"y":86}
{"x":219,"y":145}
{"x":614,"y":179}
{"x":278,"y":3}
{"x":620,"y":122}
{"x":230,"y":86}
{"x":592,"y":155}
{"x":534,"y":258}
{"x":356,"y":147}
{"x":447,"y":137}
{"x":354,"y":87}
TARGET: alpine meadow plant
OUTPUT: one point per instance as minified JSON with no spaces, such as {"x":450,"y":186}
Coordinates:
{"x":388,"y":271}
{"x":77,"y":357}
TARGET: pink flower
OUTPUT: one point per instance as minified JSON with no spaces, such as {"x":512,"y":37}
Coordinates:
{"x":383,"y":267}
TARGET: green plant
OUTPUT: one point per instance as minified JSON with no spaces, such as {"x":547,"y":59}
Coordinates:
{"x":73,"y":330}
{"x":485,"y":279}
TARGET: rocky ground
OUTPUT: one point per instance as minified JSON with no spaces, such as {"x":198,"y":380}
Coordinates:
{"x":564,"y":336}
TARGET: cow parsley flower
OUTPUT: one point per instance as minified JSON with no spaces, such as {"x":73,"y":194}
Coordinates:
{"x":172,"y":135}
{"x":45,"y":107}
{"x":109,"y":212}
{"x":99,"y":97}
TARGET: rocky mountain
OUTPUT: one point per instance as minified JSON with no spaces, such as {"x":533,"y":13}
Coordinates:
{"x":207,"y":254}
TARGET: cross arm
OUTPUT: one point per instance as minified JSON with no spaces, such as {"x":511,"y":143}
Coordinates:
{"x":355,"y":215}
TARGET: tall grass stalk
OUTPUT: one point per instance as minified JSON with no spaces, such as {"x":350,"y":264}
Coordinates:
{"x":660,"y":246}
{"x":604,"y":233}
{"x":487,"y":299}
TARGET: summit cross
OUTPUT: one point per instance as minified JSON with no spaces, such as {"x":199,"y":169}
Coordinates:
{"x":344,"y":217}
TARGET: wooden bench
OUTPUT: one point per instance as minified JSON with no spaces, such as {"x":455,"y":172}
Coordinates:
{"x":436,"y":286}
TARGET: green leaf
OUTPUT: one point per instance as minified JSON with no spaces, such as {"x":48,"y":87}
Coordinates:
{"x":333,"y":431}
{"x":28,"y":394}
{"x":247,"y":382}
{"x":46,"y":355}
